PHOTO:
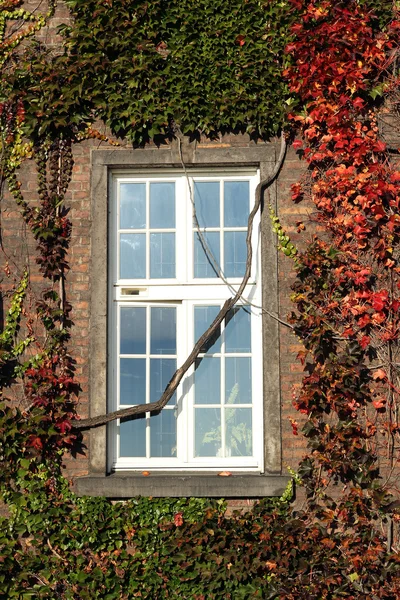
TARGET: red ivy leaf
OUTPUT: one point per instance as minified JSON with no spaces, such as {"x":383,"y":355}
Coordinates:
{"x":295,"y":426}
{"x":178,"y":519}
{"x":379,"y":374}
{"x":240,"y":40}
{"x":364,"y":342}
{"x":379,"y":404}
{"x":35,"y":442}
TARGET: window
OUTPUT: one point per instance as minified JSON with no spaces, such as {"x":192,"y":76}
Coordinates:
{"x":169,"y":275}
{"x":168,"y":280}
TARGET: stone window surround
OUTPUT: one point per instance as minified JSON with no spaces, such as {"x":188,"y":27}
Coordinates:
{"x":182,"y":483}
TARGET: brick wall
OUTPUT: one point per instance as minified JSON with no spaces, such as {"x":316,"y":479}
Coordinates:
{"x":291,"y":369}
{"x":19,"y":249}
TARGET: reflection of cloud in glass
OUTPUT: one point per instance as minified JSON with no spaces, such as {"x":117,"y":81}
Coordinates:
{"x":131,"y":243}
{"x":162,"y":255}
{"x":162,"y":205}
{"x":133,"y":206}
{"x":163,"y":330}
{"x":236,"y":203}
{"x":203,"y":263}
{"x":133,"y":330}
{"x":133,"y":256}
{"x":206,"y":198}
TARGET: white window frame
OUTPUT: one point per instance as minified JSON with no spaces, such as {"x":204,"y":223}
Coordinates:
{"x":184,"y":292}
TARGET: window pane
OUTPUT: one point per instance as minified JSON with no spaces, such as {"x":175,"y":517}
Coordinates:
{"x":235,"y":253}
{"x":236,"y":203}
{"x":133,"y":437}
{"x":133,"y":330}
{"x":208,"y":432}
{"x":162,"y":205}
{"x":132,"y":206}
{"x":163,"y":434}
{"x":206,"y":199}
{"x":162,"y":255}
{"x":237,"y":330}
{"x":132,"y":255}
{"x":132,"y":378}
{"x":163,"y":331}
{"x":238,"y":380}
{"x":207,"y":380}
{"x":203,"y":317}
{"x":239,"y":440}
{"x":161,"y":371}
{"x":203,"y":264}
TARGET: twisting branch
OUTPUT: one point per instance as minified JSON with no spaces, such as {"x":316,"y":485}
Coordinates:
{"x":206,"y":247}
{"x":155,"y":407}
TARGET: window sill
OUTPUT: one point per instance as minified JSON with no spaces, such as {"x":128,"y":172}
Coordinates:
{"x":178,"y":485}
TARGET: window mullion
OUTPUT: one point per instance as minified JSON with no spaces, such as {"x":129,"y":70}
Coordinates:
{"x":187,"y":423}
{"x":189,"y":188}
{"x":184,"y":419}
{"x":147,"y":416}
{"x":223,"y":428}
{"x":147,"y":233}
{"x":115,"y":348}
{"x":190,"y":388}
{"x":221,"y":225}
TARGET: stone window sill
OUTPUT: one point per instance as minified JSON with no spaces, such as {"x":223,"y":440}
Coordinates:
{"x":178,"y":485}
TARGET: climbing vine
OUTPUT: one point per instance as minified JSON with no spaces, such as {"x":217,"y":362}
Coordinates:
{"x":347,"y":285}
{"x":318,"y":69}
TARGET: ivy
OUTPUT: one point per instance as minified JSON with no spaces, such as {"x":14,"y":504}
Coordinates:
{"x":9,"y":348}
{"x":150,"y":71}
{"x":179,"y":548}
{"x":346,"y":291}
{"x":147,"y":68}
{"x":284,"y":243}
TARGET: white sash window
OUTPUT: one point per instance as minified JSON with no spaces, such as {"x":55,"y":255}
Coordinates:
{"x":169,"y":276}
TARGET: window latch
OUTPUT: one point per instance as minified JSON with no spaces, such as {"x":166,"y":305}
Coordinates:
{"x":139,"y":291}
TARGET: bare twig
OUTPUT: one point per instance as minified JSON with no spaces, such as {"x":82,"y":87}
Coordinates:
{"x":155,"y":407}
{"x":54,"y":551}
{"x":276,"y":318}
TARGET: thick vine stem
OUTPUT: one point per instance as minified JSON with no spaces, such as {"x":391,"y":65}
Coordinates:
{"x":154,"y":407}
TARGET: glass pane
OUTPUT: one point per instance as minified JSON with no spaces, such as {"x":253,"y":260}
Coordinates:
{"x":161,"y":371}
{"x":206,"y":200}
{"x":203,"y":317}
{"x":207,"y":381}
{"x":132,"y":256}
{"x":238,"y":380}
{"x":236,"y":203}
{"x":132,"y":206}
{"x":235,"y":253}
{"x":162,"y":255}
{"x":133,"y":330}
{"x":163,"y":331}
{"x":239,"y":438}
{"x":203,"y":264}
{"x":133,"y":437}
{"x":237,"y":330}
{"x":162,"y":205}
{"x":208,"y":432}
{"x":132,"y":377}
{"x":163,"y":434}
